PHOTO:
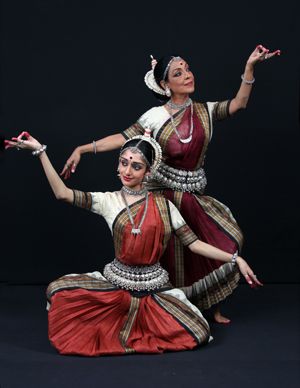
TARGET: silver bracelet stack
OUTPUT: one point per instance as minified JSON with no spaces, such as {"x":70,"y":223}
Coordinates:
{"x":39,"y":151}
{"x":246,"y":81}
{"x":234,"y":257}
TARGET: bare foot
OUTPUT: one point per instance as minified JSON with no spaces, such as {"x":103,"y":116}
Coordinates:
{"x":219,"y":318}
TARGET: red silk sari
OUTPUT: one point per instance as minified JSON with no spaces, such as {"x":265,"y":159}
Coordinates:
{"x":90,"y":316}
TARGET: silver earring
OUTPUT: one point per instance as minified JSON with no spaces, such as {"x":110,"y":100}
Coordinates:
{"x":168,"y":91}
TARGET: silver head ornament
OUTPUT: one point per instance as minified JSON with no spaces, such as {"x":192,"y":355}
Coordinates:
{"x":153,"y":143}
{"x":150,"y":79}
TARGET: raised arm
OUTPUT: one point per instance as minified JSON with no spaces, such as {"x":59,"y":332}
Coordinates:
{"x":26,"y":141}
{"x":240,"y":101}
{"x":108,"y":143}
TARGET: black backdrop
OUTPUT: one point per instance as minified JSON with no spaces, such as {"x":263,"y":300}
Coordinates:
{"x":72,"y":71}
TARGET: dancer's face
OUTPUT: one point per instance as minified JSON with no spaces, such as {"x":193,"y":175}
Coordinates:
{"x":180,"y":78}
{"x":132,"y":169}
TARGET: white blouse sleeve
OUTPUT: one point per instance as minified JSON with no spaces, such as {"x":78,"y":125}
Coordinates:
{"x":99,"y":204}
{"x":95,"y":202}
{"x":108,"y":204}
{"x":154,"y":118}
{"x":176,"y":218}
{"x":218,"y":110}
{"x":182,"y":230}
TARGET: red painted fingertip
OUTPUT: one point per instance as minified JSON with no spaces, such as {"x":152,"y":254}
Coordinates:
{"x":6,"y":144}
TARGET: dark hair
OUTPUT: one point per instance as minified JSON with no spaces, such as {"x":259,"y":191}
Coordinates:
{"x":144,"y":146}
{"x":2,"y":143}
{"x":158,"y":73}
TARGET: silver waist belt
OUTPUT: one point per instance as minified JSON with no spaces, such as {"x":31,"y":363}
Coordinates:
{"x":181,"y":180}
{"x":136,"y":278}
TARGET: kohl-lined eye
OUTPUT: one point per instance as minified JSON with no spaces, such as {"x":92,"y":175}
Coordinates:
{"x":177,"y":74}
{"x":136,"y":166}
{"x":124,"y":162}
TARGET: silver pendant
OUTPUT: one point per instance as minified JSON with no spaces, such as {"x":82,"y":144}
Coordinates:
{"x":136,"y":231}
{"x":187,"y":140}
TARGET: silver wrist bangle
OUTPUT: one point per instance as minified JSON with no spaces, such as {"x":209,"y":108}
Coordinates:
{"x":39,"y":150}
{"x":234,"y":257}
{"x":94,"y":147}
{"x":246,"y":81}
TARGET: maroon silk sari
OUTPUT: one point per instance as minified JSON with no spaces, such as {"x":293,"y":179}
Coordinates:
{"x":209,"y":219}
{"x":186,"y":268}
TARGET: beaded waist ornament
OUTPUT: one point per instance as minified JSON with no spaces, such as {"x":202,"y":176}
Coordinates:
{"x":136,"y":278}
{"x":181,"y":180}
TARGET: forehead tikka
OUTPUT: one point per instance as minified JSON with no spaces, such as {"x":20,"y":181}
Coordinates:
{"x":135,"y":150}
{"x":168,"y":66}
{"x":154,"y":144}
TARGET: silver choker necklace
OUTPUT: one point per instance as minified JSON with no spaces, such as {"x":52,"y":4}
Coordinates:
{"x":174,"y":106}
{"x":136,"y":229}
{"x":133,"y":192}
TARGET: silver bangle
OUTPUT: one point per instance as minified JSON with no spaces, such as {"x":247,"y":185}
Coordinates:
{"x":234,"y":257}
{"x":246,"y":81}
{"x":94,"y":147}
{"x":39,"y":150}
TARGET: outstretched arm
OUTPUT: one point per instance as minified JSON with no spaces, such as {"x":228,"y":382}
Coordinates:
{"x":191,"y":241}
{"x":26,"y":141}
{"x":108,"y":143}
{"x":201,"y":248}
{"x":260,"y":54}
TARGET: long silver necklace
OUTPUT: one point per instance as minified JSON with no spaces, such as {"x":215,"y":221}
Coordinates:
{"x":135,"y":230}
{"x":185,"y":105}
